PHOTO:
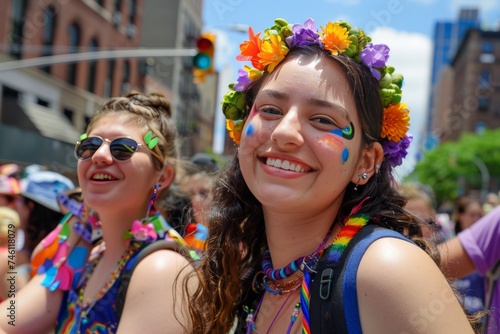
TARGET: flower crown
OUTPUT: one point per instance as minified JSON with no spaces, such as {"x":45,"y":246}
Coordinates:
{"x":266,"y":52}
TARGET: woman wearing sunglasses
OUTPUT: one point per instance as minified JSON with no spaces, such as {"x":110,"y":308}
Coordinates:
{"x":127,"y":156}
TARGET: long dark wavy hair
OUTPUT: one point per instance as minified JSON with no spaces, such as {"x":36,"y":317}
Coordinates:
{"x":237,"y":237}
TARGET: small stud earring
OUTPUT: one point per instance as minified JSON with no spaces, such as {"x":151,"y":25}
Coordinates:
{"x":360,"y":176}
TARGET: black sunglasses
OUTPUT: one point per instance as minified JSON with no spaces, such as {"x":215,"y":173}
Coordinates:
{"x":120,"y":148}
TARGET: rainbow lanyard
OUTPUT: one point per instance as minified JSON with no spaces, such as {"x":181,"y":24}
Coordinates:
{"x":347,"y":232}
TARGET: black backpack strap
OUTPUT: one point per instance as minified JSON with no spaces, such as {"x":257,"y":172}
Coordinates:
{"x":128,"y":270}
{"x":333,"y":308}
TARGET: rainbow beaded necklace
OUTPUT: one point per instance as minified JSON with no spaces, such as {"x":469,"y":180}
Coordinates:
{"x":351,"y":227}
{"x":83,"y":308}
{"x":347,"y":232}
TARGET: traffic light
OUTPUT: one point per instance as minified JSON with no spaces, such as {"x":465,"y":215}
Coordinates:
{"x":203,"y":61}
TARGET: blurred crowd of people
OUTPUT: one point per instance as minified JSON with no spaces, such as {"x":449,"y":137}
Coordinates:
{"x":470,"y":259}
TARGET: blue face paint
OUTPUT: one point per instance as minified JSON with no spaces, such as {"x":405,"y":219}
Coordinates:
{"x":250,"y":130}
{"x":347,"y":132}
{"x":345,"y":155}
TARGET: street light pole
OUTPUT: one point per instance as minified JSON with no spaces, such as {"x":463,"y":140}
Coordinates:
{"x":95,"y":55}
{"x":485,"y":176}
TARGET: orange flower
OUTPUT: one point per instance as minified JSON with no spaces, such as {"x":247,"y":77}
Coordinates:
{"x":335,"y":38}
{"x":273,"y":51}
{"x":396,"y":122}
{"x":235,"y":129}
{"x":250,"y":49}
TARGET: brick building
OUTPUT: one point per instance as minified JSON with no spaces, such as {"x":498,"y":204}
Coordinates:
{"x":467,"y":97}
{"x":48,"y":106}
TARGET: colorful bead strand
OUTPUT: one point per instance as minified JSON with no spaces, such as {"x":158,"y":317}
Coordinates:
{"x":282,"y":273}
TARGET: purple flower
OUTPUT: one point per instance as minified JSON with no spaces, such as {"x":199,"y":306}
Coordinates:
{"x":395,"y":152}
{"x":303,"y":35}
{"x":243,"y":80}
{"x":375,"y":56}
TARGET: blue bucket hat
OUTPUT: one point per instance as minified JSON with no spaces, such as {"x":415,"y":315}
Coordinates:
{"x":43,"y":187}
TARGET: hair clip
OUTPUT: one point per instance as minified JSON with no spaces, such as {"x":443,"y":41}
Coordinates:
{"x":149,"y":140}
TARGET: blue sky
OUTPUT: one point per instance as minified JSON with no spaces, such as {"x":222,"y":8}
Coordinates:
{"x":405,"y":25}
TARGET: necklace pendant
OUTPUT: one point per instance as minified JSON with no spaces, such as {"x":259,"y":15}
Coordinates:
{"x":84,"y":319}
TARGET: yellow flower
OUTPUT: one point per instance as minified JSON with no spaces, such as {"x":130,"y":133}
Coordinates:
{"x":396,"y":122}
{"x":335,"y":38}
{"x":253,"y":73}
{"x":235,"y":129}
{"x":273,"y":51}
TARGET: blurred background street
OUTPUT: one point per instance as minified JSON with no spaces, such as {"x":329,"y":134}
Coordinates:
{"x":452,"y":74}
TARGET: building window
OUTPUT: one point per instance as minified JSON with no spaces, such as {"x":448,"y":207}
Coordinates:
{"x":69,"y":114}
{"x":108,"y":83}
{"x":131,"y":28}
{"x":125,"y":86}
{"x":487,"y":47}
{"x":487,"y":56}
{"x":117,"y":13}
{"x":92,"y":70}
{"x":49,"y":28}
{"x":483,"y":104}
{"x":484,"y":79}
{"x":74,"y":42}
{"x":43,"y":103}
{"x":16,"y":37}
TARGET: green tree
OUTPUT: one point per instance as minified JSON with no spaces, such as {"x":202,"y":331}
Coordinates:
{"x":451,"y":166}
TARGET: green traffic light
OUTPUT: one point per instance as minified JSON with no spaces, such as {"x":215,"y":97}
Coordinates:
{"x":202,"y":61}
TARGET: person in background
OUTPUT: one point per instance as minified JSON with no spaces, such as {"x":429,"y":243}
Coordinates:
{"x":12,"y":170}
{"x":320,"y":125}
{"x":420,"y":202}
{"x":198,"y":184}
{"x":477,"y":248}
{"x":467,"y":212}
{"x":492,"y":201}
{"x":127,"y":156}
{"x":39,"y":212}
{"x":10,"y":191}
{"x":9,"y":224}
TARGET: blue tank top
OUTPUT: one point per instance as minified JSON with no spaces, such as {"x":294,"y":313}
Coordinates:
{"x":98,"y":317}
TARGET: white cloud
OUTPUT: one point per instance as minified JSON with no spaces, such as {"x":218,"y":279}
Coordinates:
{"x":411,"y":55}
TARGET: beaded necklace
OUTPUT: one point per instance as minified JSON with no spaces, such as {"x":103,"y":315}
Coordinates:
{"x":272,"y":285}
{"x":292,"y":267}
{"x":85,"y":308}
{"x":352,"y":226}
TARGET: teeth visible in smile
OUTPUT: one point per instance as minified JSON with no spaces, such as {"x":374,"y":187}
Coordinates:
{"x":102,"y":177}
{"x":284,"y":164}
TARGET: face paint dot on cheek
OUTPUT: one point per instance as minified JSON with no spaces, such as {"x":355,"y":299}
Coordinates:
{"x":345,"y":155}
{"x":250,"y":130}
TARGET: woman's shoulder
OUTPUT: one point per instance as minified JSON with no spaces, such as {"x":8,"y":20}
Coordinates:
{"x":158,"y":268}
{"x":397,"y":277}
{"x":393,"y":256}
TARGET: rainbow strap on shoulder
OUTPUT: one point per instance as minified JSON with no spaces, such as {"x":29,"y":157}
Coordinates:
{"x":353,"y":225}
{"x":61,"y":265}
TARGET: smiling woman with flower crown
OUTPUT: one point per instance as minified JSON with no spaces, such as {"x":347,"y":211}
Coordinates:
{"x":125,"y":158}
{"x":307,"y":232}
